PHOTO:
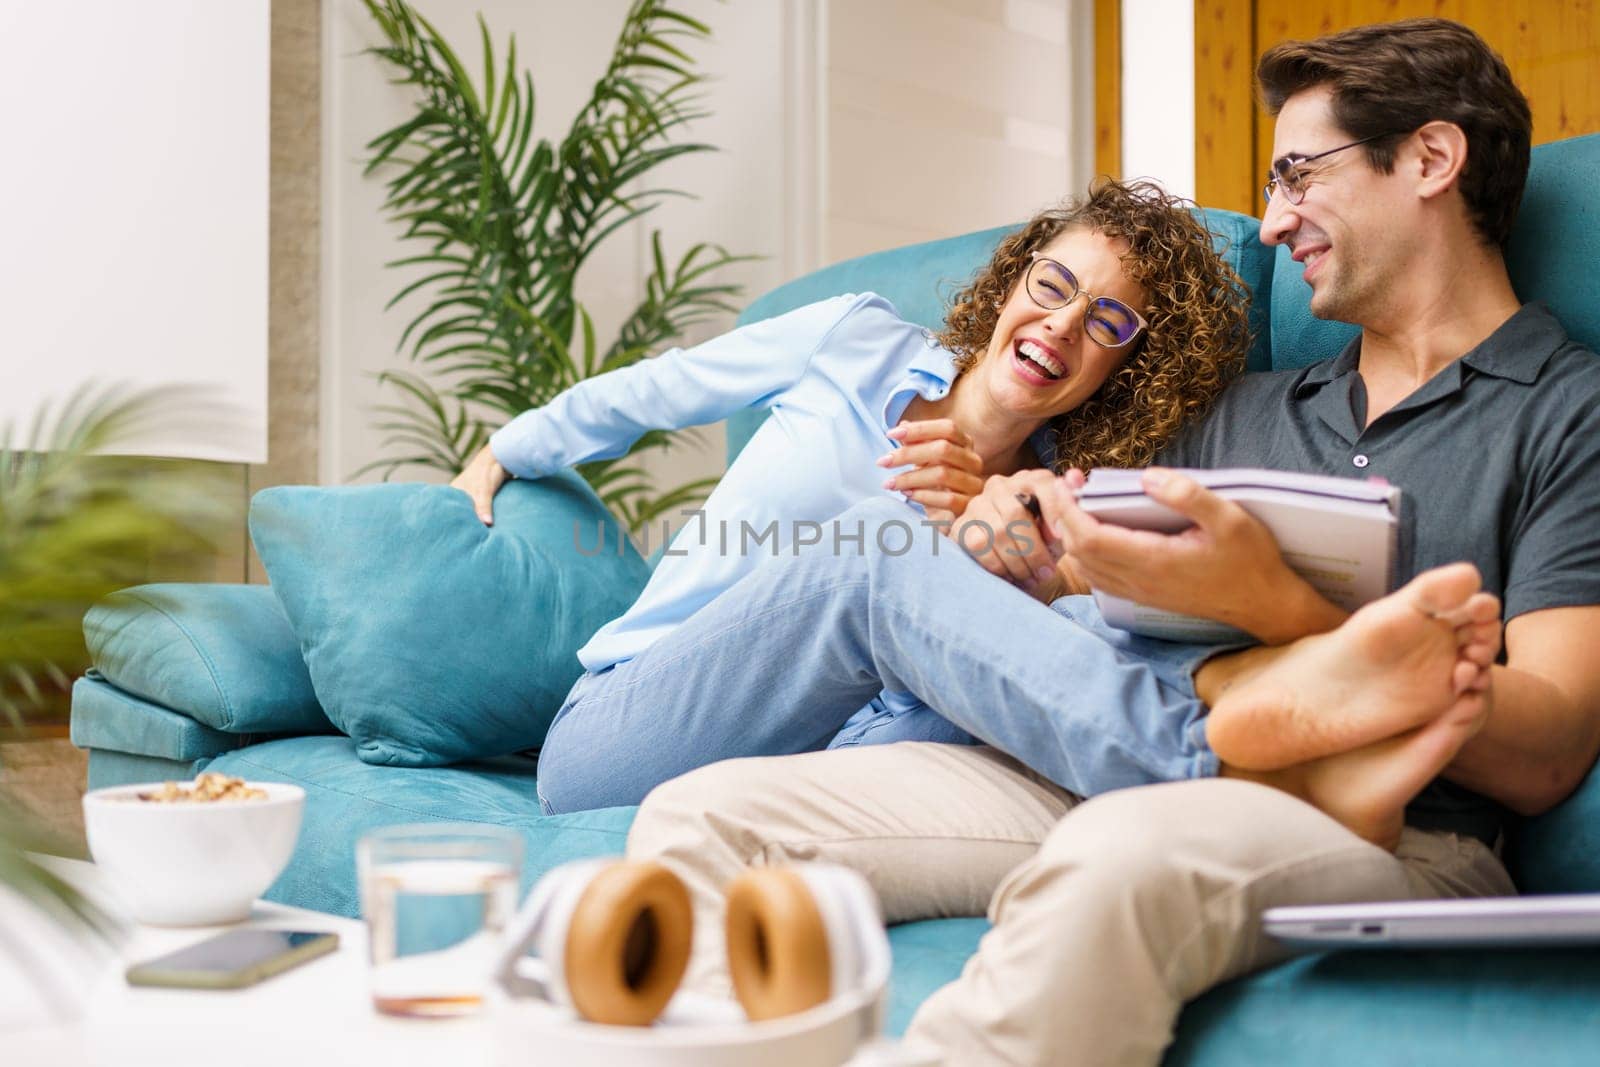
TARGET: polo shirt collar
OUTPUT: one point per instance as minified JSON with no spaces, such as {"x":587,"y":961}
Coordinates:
{"x":1320,"y":374}
{"x":1521,"y":347}
{"x":1517,"y":350}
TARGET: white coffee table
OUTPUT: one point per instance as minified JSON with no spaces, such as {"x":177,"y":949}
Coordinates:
{"x":314,"y":1014}
{"x":317,"y":1013}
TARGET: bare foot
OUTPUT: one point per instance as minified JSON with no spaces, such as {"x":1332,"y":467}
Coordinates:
{"x":1397,"y":664}
{"x":1368,"y":789}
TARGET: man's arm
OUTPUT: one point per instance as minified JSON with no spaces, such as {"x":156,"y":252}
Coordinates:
{"x":1225,"y":567}
{"x":1543,"y":730}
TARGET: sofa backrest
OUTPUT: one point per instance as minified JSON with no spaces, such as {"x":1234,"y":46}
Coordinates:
{"x":918,"y":279}
{"x":1553,"y":246}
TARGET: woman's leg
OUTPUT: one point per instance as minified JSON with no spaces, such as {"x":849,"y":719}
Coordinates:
{"x":780,"y":661}
{"x":894,"y":717}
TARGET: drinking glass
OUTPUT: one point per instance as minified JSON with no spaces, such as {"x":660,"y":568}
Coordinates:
{"x":436,"y":899}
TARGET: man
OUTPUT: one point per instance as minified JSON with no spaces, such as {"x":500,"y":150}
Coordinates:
{"x":1402,"y":151}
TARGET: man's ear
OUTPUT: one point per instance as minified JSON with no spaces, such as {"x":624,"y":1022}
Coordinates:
{"x":1441,"y":153}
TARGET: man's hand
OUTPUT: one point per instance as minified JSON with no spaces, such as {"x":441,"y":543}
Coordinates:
{"x":1000,"y":531}
{"x":1225,"y":567}
{"x":947,"y":473}
{"x":480,"y":480}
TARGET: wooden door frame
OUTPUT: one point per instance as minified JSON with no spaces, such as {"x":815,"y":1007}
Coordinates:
{"x":1227,"y":123}
{"x":1225,"y":114}
{"x":1108,"y":87}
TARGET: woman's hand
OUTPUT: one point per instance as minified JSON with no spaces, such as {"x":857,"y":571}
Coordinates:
{"x":946,"y":472}
{"x":480,"y":480}
{"x":1013,"y":540}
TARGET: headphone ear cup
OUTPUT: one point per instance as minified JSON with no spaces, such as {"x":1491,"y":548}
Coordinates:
{"x":778,"y":953}
{"x":627,"y":944}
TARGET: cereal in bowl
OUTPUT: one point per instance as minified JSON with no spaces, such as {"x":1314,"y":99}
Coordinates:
{"x":209,"y":787}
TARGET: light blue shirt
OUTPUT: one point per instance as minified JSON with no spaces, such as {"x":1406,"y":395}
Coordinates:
{"x":837,"y":375}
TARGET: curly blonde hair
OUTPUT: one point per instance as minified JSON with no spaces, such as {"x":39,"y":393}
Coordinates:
{"x":1198,"y":334}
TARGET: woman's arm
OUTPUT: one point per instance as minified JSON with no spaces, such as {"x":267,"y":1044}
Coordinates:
{"x":601,"y":417}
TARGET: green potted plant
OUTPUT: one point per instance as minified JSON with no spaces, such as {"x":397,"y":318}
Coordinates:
{"x":76,"y":523}
{"x":502,"y":224}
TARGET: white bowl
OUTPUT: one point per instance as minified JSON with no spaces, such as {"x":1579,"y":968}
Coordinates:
{"x":191,"y":864}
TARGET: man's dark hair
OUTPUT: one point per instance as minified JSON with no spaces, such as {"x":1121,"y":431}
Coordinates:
{"x":1393,"y":77}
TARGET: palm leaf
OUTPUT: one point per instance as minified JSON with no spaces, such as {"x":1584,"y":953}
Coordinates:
{"x":77,"y":523}
{"x":506,"y":221}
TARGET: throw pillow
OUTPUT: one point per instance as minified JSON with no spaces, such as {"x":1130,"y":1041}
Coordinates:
{"x":431,"y":638}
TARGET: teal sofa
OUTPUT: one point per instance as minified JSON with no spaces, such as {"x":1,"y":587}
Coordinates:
{"x":1462,"y":1008}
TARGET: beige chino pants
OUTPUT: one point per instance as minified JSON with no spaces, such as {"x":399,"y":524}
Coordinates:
{"x":1108,"y":914}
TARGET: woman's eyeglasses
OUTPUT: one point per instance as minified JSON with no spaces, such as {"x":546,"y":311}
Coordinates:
{"x":1109,"y":322}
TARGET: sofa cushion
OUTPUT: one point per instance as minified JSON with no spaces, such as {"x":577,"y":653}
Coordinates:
{"x":224,"y":655}
{"x":1299,"y":339}
{"x":1377,"y":1009}
{"x":1559,"y":852}
{"x":106,"y":719}
{"x":346,"y":798}
{"x":1368,"y":1007}
{"x":430,"y":637}
{"x":1556,"y":240}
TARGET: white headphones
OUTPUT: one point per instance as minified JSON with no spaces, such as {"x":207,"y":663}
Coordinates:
{"x":612,"y":939}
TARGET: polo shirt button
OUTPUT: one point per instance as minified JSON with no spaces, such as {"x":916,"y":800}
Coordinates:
{"x":1360,"y":460}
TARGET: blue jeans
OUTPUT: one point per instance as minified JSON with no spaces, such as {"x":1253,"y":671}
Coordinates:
{"x":898,"y":717}
{"x":782,"y":660}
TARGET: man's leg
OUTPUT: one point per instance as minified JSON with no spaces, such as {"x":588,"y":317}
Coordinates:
{"x":934,"y":828}
{"x":779,"y":662}
{"x":1143,"y":899}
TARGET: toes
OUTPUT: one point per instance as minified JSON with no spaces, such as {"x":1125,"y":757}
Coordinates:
{"x":1440,"y":592}
{"x":1478,"y":609}
{"x":1480,"y":644}
{"x":1483,"y":607}
{"x":1463,"y":675}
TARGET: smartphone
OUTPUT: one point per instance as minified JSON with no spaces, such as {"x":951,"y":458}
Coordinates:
{"x":234,"y":959}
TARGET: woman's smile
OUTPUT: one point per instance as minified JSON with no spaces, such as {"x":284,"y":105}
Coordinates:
{"x":1038,"y":364}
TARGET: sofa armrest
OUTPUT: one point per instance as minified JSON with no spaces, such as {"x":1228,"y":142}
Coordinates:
{"x":223,"y":655}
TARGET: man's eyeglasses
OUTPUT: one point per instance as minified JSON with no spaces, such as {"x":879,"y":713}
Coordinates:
{"x":1109,"y":322}
{"x":1287,"y":175}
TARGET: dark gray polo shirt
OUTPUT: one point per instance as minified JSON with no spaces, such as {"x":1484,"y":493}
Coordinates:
{"x":1498,"y":458}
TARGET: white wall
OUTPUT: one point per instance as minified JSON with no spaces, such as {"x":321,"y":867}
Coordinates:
{"x":945,"y":116}
{"x":844,"y":127}
{"x":1158,"y":92}
{"x":135,"y":186}
{"x":741,"y":189}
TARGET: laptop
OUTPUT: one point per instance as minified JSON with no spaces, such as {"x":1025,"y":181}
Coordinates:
{"x":1482,"y":923}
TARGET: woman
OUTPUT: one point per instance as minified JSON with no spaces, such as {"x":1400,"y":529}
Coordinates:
{"x":1025,"y":374}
